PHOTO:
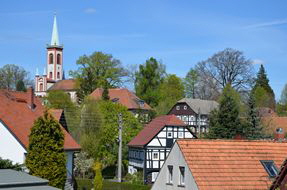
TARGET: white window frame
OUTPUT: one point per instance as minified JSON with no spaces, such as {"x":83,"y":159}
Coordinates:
{"x":180,"y":134}
{"x":153,"y":155}
{"x":185,"y":107}
{"x":177,"y":107}
{"x":170,"y":132}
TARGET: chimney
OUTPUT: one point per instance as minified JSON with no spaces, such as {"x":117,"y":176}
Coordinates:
{"x":279,"y":135}
{"x":30,"y":98}
{"x":239,"y":137}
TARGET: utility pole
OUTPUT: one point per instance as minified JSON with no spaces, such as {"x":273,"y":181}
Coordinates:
{"x":199,"y":124}
{"x":120,"y":149}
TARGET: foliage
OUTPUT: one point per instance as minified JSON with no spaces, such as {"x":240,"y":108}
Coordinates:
{"x":225,"y":67}
{"x":136,"y":178}
{"x":98,"y":180}
{"x":148,"y":80}
{"x":95,"y":71}
{"x":20,"y":86}
{"x":262,"y":98}
{"x":10,"y":74}
{"x":45,"y":155}
{"x":262,"y":82}
{"x":170,"y":91}
{"x":190,"y":83}
{"x":58,"y":99}
{"x":281,"y":107}
{"x":8,"y":164}
{"x":83,"y":164}
{"x":225,"y":122}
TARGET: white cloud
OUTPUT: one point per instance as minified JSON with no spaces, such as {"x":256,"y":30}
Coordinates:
{"x":90,"y":10}
{"x":266,"y":24}
{"x":257,"y":62}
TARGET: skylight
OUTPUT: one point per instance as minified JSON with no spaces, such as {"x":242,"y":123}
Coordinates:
{"x":270,"y":167}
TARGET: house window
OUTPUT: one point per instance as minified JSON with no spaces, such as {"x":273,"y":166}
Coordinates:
{"x":169,"y":135}
{"x":180,"y":134}
{"x":270,"y":167}
{"x":58,"y":59}
{"x":177,"y":107}
{"x":155,"y":155}
{"x":185,"y":107}
{"x":169,"y":174}
{"x":181,"y":175}
{"x":51,"y":58}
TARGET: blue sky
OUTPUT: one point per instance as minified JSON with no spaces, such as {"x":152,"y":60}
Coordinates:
{"x":179,"y":33}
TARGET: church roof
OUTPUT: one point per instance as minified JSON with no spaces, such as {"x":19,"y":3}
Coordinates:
{"x":123,"y":96}
{"x":66,"y":85}
{"x":153,"y":128}
{"x":18,"y":117}
{"x":200,"y":106}
{"x":55,"y":35}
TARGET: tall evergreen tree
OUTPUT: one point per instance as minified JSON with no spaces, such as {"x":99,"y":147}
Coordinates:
{"x":190,"y":82}
{"x":45,"y":155}
{"x":148,"y":80}
{"x":263,"y":82}
{"x":20,"y":86}
{"x":225,"y":122}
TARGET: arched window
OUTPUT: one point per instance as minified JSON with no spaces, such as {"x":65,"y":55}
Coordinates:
{"x":51,"y":75}
{"x":41,"y":87}
{"x":58,"y":59}
{"x":58,"y":75}
{"x":51,"y":57}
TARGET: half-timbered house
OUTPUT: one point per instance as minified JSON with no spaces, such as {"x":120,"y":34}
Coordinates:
{"x":194,"y":113}
{"x":149,"y":149}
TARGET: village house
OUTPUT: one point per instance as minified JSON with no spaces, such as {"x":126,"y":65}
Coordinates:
{"x":18,"y":111}
{"x":221,"y":164}
{"x":149,"y":149}
{"x":194,"y":113}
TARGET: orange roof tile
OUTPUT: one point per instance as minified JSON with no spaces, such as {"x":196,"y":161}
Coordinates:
{"x":126,"y":97}
{"x":18,"y":117}
{"x":66,"y":85}
{"x":231,"y":164}
{"x":271,"y":123}
{"x":151,"y":129}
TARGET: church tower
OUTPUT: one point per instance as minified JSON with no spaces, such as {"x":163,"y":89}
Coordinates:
{"x":55,"y":56}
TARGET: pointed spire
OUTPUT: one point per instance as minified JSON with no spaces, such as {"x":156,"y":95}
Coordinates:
{"x":44,"y":73}
{"x":37,"y":72}
{"x":55,"y":35}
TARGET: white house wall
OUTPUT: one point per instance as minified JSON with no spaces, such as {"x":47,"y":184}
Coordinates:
{"x":10,"y":148}
{"x":176,"y":160}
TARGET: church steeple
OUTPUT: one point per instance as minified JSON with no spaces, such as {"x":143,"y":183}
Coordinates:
{"x":55,"y":35}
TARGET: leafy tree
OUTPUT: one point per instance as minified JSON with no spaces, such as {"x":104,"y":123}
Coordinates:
{"x":20,"y":86}
{"x":225,"y":67}
{"x":225,"y":122}
{"x":10,"y":74}
{"x":8,"y":164}
{"x":171,"y":90}
{"x":45,"y":155}
{"x":263,"y":82}
{"x":148,"y":80}
{"x":97,"y":70}
{"x":281,"y":107}
{"x":190,"y":82}
{"x":58,"y":99}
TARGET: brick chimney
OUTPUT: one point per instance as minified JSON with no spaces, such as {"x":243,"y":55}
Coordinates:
{"x":30,"y":98}
{"x":279,"y":135}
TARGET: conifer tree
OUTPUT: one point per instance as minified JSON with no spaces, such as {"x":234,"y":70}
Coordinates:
{"x":45,"y":156}
{"x":20,"y":86}
{"x":225,"y":122}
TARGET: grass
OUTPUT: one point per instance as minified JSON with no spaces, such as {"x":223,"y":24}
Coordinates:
{"x":87,"y":184}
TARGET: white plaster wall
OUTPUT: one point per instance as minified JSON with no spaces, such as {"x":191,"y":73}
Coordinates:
{"x":10,"y":148}
{"x":175,"y":159}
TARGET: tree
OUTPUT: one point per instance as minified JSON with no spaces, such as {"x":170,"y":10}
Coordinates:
{"x":148,"y":80}
{"x":171,"y":90}
{"x":10,"y":74}
{"x":20,"y":86}
{"x":262,"y":98}
{"x":262,"y":81}
{"x":58,"y":99}
{"x":45,"y":155}
{"x":8,"y":164}
{"x":190,"y":82}
{"x":97,"y":70}
{"x":225,"y":122}
{"x":225,"y":67}
{"x":283,"y":98}
{"x":281,"y":107}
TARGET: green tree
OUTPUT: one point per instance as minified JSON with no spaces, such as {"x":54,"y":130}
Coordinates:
{"x":20,"y":86}
{"x":8,"y":164}
{"x":171,"y":90}
{"x":148,"y":80}
{"x":58,"y":99}
{"x":262,"y":98}
{"x":97,"y":70}
{"x":45,"y":155}
{"x":281,"y":106}
{"x":225,"y":122}
{"x":262,"y":81}
{"x":190,"y":81}
{"x":98,"y":181}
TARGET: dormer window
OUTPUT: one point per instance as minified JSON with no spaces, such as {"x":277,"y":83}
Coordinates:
{"x":270,"y":167}
{"x":185,"y":107}
{"x":177,"y":107}
{"x":141,"y":103}
{"x":115,"y":100}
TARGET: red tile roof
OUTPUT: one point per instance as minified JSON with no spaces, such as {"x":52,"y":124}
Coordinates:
{"x":152,"y":129}
{"x":281,"y":179}
{"x":231,"y":164}
{"x":66,"y":85}
{"x":126,"y":97}
{"x":17,"y":116}
{"x":271,"y":123}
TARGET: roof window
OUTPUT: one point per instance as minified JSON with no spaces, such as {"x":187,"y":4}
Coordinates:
{"x":270,"y":167}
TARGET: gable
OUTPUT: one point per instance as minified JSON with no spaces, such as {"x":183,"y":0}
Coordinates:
{"x":181,"y":108}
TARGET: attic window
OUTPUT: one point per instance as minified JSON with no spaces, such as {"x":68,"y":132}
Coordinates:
{"x":177,"y":107}
{"x":270,"y":167}
{"x":141,"y":103}
{"x":185,"y":107}
{"x":115,"y":100}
